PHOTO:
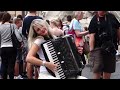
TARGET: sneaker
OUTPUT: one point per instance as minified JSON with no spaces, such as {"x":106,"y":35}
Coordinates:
{"x":18,"y":77}
{"x":15,"y":77}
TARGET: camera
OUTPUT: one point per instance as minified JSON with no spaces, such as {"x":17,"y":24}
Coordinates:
{"x":109,"y":47}
{"x":103,"y":34}
{"x":106,"y":43}
{"x":104,"y":37}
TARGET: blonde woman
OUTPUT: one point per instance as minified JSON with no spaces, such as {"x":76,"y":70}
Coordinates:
{"x":54,"y":23}
{"x":40,"y":31}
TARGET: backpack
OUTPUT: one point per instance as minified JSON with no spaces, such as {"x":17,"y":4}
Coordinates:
{"x":15,"y":41}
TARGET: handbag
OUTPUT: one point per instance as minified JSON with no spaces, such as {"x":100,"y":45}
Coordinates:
{"x":86,"y":48}
{"x":15,"y":41}
{"x":71,"y":31}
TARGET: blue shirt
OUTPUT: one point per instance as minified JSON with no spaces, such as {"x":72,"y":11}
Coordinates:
{"x":76,"y":25}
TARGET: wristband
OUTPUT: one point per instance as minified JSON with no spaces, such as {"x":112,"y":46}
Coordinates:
{"x":43,"y":63}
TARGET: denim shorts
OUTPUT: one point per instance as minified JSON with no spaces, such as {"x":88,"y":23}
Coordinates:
{"x":19,"y":55}
{"x":102,"y":61}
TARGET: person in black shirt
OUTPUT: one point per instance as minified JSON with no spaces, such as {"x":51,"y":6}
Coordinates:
{"x":27,"y":21}
{"x":103,"y":30}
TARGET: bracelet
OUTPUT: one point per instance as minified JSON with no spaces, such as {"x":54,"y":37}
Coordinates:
{"x":43,"y":63}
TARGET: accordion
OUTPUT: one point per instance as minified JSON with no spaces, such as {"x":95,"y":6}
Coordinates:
{"x":63,"y":52}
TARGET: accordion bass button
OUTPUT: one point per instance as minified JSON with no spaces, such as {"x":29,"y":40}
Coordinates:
{"x":58,"y":53}
{"x":62,"y":61}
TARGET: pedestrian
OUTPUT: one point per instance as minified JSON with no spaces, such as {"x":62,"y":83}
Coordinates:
{"x":66,"y":24}
{"x":79,"y":32}
{"x":20,"y":16}
{"x":19,"y":61}
{"x":104,"y":33}
{"x":1,"y":15}
{"x":8,"y":52}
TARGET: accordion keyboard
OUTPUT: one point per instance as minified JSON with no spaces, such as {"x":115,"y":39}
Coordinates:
{"x":53,"y":58}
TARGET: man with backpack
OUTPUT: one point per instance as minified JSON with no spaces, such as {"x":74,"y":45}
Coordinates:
{"x":104,"y":36}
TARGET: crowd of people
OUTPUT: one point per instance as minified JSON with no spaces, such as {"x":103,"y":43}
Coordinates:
{"x":28,"y":61}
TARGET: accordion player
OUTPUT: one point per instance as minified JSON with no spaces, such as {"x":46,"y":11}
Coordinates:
{"x":63,"y":52}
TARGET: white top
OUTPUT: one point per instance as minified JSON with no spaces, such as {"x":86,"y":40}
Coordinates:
{"x":76,"y":25}
{"x":38,"y":42}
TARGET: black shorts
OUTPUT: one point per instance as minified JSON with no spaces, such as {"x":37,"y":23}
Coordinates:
{"x":102,"y":61}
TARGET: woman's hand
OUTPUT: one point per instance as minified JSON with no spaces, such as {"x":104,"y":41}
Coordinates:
{"x":51,"y":66}
{"x":80,"y":49}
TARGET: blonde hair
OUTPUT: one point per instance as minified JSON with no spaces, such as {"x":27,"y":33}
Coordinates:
{"x":55,"y":21}
{"x":33,"y":35}
{"x":75,"y":13}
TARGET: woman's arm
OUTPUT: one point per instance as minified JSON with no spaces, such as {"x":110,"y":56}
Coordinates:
{"x":79,"y":34}
{"x":35,"y":61}
{"x":31,"y":56}
{"x":57,"y":32}
{"x":79,"y":31}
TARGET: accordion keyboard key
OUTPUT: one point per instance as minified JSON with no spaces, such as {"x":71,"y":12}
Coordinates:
{"x":52,"y":56}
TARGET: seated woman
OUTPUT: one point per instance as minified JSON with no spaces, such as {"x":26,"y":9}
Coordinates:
{"x":40,"y":31}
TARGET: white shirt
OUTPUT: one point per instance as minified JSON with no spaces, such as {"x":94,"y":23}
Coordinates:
{"x":38,"y":42}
